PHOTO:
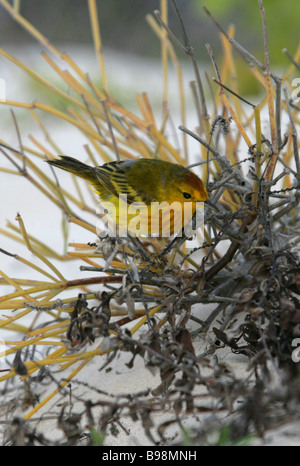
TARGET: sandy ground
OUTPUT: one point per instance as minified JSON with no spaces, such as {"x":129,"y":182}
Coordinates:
{"x":122,"y":380}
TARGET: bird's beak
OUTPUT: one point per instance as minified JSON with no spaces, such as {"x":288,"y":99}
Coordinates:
{"x":210,"y":204}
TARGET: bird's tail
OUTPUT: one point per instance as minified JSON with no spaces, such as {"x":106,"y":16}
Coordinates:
{"x":76,"y":167}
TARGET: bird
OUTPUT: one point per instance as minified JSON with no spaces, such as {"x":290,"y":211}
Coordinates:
{"x":146,"y":197}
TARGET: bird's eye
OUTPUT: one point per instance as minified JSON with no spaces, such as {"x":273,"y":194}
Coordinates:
{"x":187,"y":196}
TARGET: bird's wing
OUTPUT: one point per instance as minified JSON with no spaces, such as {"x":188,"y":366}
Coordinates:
{"x":114,"y":177}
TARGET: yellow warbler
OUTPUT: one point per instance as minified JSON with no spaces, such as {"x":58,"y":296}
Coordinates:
{"x":158,"y":190}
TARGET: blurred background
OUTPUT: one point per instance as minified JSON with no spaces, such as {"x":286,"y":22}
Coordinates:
{"x":132,"y":50}
{"x":123,"y":24}
{"x":125,"y":30}
{"x":130,"y":47}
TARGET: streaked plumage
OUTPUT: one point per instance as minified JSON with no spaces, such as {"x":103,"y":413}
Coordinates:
{"x":142,"y":180}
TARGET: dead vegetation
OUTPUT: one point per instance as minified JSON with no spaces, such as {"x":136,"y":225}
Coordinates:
{"x":247,"y":269}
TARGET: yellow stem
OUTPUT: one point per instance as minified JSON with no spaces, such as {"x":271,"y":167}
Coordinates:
{"x":97,"y":41}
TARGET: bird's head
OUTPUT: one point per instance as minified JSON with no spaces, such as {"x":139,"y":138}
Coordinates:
{"x":185,"y":186}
